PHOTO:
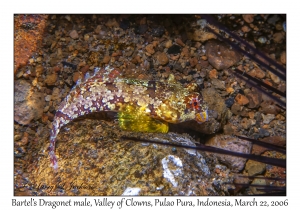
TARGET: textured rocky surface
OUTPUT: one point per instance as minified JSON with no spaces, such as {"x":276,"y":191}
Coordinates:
{"x":62,"y":49}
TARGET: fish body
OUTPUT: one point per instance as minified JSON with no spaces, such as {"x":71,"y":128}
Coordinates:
{"x":142,"y":105}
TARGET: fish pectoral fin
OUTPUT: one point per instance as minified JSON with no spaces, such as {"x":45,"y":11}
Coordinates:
{"x":140,"y":122}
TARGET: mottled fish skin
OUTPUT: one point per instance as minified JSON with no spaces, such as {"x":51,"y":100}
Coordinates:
{"x":107,"y":91}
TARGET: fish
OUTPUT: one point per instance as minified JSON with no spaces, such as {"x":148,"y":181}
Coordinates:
{"x":141,"y":105}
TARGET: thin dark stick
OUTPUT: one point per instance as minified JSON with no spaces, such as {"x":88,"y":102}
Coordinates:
{"x":267,"y":160}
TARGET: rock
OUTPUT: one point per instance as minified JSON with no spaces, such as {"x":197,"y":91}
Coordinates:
{"x":213,"y":74}
{"x":84,"y":69}
{"x":200,"y":35}
{"x":220,"y":56}
{"x":168,"y":44}
{"x":245,"y":29}
{"x":179,"y":42}
{"x":241,"y":99}
{"x":256,"y":182}
{"x":257,"y":73}
{"x":149,"y":49}
{"x":162,"y":58}
{"x":278,"y":37}
{"x":73,"y":34}
{"x":51,"y":79}
{"x":268,"y":107}
{"x":233,"y":144}
{"x":106,"y":59}
{"x":248,"y":18}
{"x":245,"y":123}
{"x":76,"y":76}
{"x":283,"y":57}
{"x":158,"y":31}
{"x":112,"y":23}
{"x":255,"y":168}
{"x":228,"y":130}
{"x":193,"y":61}
{"x":229,"y":102}
{"x":236,"y":109}
{"x":218,"y":84}
{"x":275,"y":140}
{"x":150,"y":169}
{"x":274,"y":78}
{"x":263,"y":133}
{"x":174,"y":49}
{"x":268,"y":118}
{"x":254,"y":98}
{"x":29,"y":103}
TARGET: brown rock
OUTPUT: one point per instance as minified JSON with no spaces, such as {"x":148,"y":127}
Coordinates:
{"x":255,"y":168}
{"x":248,"y":18}
{"x":193,"y":62}
{"x":275,"y":140}
{"x":274,"y":78}
{"x":218,"y":84}
{"x":241,"y":99}
{"x":257,"y":73}
{"x":185,"y":52}
{"x":245,"y":123}
{"x":233,"y":144}
{"x":73,"y":34}
{"x":254,"y":98}
{"x":51,"y":79}
{"x":278,"y":37}
{"x":162,"y":58}
{"x":168,"y":44}
{"x":220,"y":55}
{"x":106,"y":59}
{"x":245,"y":29}
{"x":228,"y":129}
{"x":84,"y":69}
{"x":213,"y":74}
{"x":112,"y":23}
{"x":283,"y":57}
{"x":236,"y":109}
{"x":149,"y":49}
{"x":200,"y":35}
{"x":76,"y":76}
{"x":180,"y":42}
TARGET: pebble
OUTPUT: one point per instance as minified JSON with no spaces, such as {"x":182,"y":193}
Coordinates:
{"x":229,"y":102}
{"x":51,"y":79}
{"x":220,"y":56}
{"x":275,"y":140}
{"x":233,"y":144}
{"x":248,"y":18}
{"x":262,"y":39}
{"x":158,"y":31}
{"x":179,"y":42}
{"x":241,"y":99}
{"x":274,"y":78}
{"x":73,"y":34}
{"x":193,"y":61}
{"x":174,"y":49}
{"x":278,"y":37}
{"x":201,"y":35}
{"x":268,"y":107}
{"x":268,"y":118}
{"x":213,"y":74}
{"x":258,"y":73}
{"x":162,"y":58}
{"x":218,"y":84}
{"x":48,"y":98}
{"x":255,"y":99}
{"x":263,"y":133}
{"x":236,"y":109}
{"x":112,"y":23}
{"x":283,"y":57}
{"x":255,"y":168}
{"x":149,"y":49}
{"x":257,"y":181}
{"x":245,"y":29}
{"x":76,"y":76}
{"x":168,"y":44}
{"x":245,"y":123}
{"x":106,"y":59}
